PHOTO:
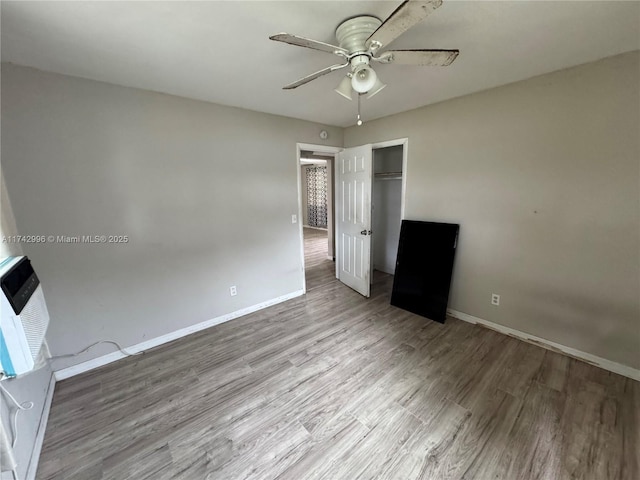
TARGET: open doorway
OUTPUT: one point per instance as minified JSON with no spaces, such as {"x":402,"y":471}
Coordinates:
{"x":316,"y":207}
{"x":315,"y":176}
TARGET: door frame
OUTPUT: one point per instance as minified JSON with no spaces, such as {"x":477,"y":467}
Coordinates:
{"x":316,"y":148}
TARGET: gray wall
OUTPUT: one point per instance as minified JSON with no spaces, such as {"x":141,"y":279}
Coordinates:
{"x":204,"y":192}
{"x":542,"y":176}
{"x":31,"y":387}
{"x":7,"y":222}
{"x":387,"y":214}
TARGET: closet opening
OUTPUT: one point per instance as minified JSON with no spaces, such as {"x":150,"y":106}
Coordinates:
{"x":386,"y":206}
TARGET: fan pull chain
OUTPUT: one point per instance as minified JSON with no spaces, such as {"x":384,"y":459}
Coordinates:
{"x":359,"y":122}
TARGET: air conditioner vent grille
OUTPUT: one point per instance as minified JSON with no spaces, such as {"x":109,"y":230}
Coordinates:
{"x":35,"y":319}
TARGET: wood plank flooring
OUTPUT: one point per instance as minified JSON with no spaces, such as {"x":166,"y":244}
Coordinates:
{"x":335,"y":386}
{"x":318,"y":270}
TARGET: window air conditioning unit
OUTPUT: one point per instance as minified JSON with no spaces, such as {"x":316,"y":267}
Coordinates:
{"x":23,"y":317}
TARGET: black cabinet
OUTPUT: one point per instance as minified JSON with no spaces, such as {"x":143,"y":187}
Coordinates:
{"x":424,"y":267}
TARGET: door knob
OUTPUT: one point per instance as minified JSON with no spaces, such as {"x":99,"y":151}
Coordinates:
{"x":365,"y":232}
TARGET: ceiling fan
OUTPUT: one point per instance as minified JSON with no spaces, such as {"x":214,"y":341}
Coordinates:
{"x":361,"y":40}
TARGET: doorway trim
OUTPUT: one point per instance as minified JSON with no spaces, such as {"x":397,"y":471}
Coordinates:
{"x":316,"y":148}
{"x":405,"y":155}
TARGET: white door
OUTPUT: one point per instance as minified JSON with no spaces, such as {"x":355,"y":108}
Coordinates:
{"x":353,"y":217}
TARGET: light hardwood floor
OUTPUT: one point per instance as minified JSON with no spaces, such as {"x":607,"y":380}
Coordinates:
{"x":334,"y":386}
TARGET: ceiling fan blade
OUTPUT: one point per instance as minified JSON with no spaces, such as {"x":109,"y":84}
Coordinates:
{"x":313,"y":76}
{"x":429,"y":58}
{"x":308,"y":43}
{"x":409,"y":13}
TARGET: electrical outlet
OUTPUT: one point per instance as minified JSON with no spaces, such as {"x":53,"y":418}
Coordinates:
{"x":495,"y":299}
{"x":233,"y":290}
{"x":294,"y":218}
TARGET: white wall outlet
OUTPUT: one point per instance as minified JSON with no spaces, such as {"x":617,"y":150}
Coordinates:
{"x":233,"y":290}
{"x":294,"y":218}
{"x":495,"y":299}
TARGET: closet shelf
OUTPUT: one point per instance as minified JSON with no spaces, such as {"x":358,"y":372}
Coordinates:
{"x":388,"y":175}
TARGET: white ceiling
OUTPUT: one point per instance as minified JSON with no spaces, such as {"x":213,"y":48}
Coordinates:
{"x":220,"y":51}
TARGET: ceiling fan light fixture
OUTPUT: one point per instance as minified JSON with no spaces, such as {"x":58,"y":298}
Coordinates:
{"x":344,"y":88}
{"x":363,"y":79}
{"x":376,"y":88}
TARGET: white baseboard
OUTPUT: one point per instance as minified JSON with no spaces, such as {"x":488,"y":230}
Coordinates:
{"x":549,"y":345}
{"x":384,"y":269}
{"x":169,"y":337}
{"x":42,"y":426}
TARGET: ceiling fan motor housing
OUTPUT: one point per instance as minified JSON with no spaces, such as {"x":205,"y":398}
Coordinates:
{"x":352,"y":34}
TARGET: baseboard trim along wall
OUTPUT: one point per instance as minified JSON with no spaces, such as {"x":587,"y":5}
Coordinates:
{"x":549,"y":345}
{"x":154,"y":342}
{"x":42,"y":426}
{"x":169,"y":337}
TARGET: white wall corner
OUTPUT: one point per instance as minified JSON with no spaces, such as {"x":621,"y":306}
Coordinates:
{"x":42,"y":427}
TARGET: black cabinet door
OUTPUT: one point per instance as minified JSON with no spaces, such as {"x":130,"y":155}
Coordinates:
{"x":424,"y":267}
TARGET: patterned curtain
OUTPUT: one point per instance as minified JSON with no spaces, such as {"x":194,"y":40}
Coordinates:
{"x":317,"y":196}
